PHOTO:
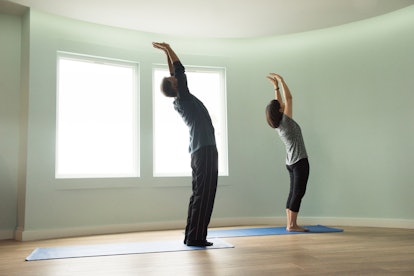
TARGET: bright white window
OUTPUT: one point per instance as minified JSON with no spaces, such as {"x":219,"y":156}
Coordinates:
{"x":171,"y":135}
{"x":97,"y":118}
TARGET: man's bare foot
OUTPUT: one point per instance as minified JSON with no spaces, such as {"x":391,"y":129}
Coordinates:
{"x":297,"y":229}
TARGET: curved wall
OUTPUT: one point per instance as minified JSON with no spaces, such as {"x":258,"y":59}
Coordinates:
{"x":352,"y":89}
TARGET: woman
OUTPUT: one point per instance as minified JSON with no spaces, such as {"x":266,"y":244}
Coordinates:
{"x":279,"y":116}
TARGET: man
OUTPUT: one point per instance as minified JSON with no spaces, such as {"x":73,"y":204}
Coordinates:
{"x":203,"y":150}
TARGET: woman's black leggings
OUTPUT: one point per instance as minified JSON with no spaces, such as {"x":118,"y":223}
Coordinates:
{"x":299,"y":174}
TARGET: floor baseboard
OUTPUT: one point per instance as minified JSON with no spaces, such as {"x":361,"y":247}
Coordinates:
{"x":30,"y":235}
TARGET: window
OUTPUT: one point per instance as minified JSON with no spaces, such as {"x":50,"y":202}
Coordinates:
{"x":97,"y":117}
{"x":171,"y":136}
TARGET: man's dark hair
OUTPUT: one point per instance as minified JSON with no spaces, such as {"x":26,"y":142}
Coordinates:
{"x":273,"y":114}
{"x":167,"y":88}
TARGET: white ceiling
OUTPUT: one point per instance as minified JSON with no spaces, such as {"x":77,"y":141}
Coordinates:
{"x":218,"y":18}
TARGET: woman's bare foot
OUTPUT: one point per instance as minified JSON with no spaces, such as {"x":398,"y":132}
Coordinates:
{"x":292,"y":225}
{"x":297,"y":229}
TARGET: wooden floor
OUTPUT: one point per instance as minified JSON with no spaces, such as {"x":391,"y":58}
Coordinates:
{"x":356,"y":251}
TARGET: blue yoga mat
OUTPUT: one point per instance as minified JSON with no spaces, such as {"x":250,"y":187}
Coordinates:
{"x":244,"y":232}
{"x":117,"y":249}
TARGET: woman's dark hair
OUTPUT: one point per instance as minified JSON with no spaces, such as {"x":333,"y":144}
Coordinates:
{"x":273,"y":114}
{"x":167,"y":88}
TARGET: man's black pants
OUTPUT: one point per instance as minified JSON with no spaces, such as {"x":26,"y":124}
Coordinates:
{"x":204,"y":164}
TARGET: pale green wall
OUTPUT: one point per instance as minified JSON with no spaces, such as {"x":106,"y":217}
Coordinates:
{"x":352,"y":88}
{"x":9,"y":120}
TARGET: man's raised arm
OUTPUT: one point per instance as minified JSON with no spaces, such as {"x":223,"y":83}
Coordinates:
{"x":171,"y":55}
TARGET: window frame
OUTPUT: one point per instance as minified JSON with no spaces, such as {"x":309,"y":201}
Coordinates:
{"x":135,"y":115}
{"x":221,"y":131}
